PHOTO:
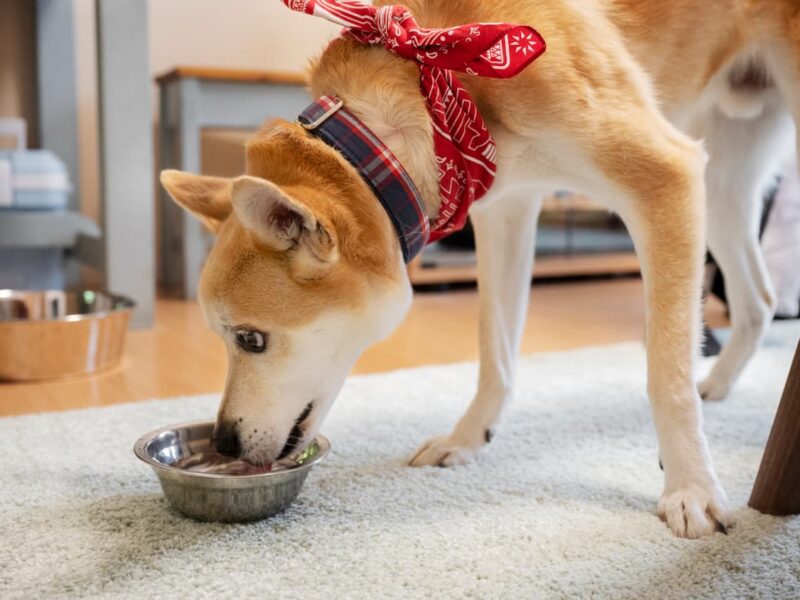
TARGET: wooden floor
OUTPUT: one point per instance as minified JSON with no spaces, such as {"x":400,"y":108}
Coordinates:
{"x":180,"y":356}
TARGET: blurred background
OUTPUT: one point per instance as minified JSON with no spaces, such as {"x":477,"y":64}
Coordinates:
{"x":98,"y":270}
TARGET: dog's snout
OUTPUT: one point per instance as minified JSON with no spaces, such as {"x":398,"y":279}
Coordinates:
{"x":226,"y":439}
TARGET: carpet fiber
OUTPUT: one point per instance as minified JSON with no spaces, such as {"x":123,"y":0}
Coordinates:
{"x":562,"y":504}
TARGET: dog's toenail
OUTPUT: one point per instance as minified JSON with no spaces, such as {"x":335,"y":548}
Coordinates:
{"x":488,"y":435}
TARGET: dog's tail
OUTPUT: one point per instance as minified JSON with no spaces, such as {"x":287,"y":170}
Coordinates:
{"x":745,"y":94}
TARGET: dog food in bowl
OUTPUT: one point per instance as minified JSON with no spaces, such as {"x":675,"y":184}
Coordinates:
{"x":208,"y":486}
{"x":220,"y":464}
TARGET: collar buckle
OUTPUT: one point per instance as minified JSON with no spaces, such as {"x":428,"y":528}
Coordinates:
{"x":338,"y":104}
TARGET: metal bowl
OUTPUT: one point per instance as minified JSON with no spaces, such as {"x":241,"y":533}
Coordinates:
{"x":52,"y":333}
{"x":225,"y":498}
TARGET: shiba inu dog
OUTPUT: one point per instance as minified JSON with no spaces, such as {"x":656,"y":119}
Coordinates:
{"x":307,"y":271}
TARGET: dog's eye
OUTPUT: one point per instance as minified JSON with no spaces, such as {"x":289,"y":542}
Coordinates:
{"x":250,"y":340}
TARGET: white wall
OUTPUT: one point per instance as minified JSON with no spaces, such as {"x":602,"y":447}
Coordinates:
{"x":249,"y":34}
{"x":245,"y":34}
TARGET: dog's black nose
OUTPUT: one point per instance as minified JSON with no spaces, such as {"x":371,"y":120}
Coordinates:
{"x":226,"y":439}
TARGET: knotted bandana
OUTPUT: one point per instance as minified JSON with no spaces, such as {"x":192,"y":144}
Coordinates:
{"x":465,"y":151}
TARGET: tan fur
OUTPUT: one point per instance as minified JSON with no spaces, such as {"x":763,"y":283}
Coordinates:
{"x":254,"y":280}
{"x":207,"y":198}
{"x":596,"y":110}
{"x":587,"y":65}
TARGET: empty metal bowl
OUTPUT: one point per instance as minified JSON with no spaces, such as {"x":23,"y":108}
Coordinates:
{"x":226,"y":498}
{"x":52,"y":333}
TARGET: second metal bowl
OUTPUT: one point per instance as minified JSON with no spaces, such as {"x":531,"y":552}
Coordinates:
{"x":226,"y":498}
{"x":52,"y":333}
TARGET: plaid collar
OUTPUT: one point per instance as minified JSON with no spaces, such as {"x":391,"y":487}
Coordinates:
{"x":339,"y":128}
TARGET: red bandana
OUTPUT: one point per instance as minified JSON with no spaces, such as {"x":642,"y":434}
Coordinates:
{"x":465,"y":151}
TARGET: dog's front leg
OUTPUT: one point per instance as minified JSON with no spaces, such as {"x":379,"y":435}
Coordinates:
{"x":663,"y":174}
{"x":505,"y":231}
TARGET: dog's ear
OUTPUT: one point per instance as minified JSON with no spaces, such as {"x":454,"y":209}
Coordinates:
{"x":286,"y":224}
{"x":207,"y":198}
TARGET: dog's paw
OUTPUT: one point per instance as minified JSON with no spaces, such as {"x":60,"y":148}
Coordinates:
{"x":445,"y":451}
{"x":693,"y":511}
{"x":714,"y":388}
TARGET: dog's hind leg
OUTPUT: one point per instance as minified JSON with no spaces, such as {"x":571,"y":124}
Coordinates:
{"x":505,"y":231}
{"x":745,"y":157}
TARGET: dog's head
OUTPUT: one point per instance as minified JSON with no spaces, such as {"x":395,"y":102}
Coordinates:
{"x":305,"y":272}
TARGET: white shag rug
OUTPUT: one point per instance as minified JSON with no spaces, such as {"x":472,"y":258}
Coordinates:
{"x":562,"y":505}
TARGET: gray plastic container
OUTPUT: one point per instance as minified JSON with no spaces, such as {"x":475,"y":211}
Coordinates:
{"x":30,"y":179}
{"x":33,"y":180}
{"x":36,"y":228}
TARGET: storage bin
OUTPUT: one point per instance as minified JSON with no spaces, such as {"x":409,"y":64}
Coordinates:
{"x":31,"y":179}
{"x":36,"y":228}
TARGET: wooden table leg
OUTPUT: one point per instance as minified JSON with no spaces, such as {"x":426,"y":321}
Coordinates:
{"x":777,"y":487}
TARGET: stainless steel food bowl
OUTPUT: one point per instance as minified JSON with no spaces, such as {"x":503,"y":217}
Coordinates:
{"x":226,"y":498}
{"x":53,"y":333}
